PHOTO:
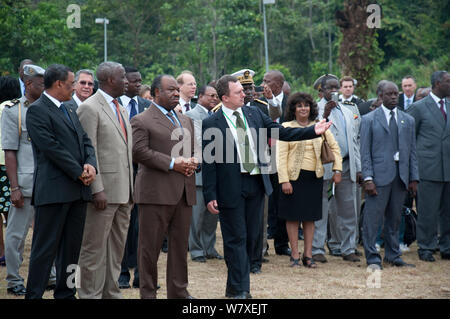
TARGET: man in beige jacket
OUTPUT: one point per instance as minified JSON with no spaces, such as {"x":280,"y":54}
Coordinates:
{"x":107,"y":219}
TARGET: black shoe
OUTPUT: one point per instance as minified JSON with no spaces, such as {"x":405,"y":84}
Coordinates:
{"x":445,"y":256}
{"x":265,"y":260}
{"x":124,"y":284}
{"x":283,"y":251}
{"x":335,"y":252}
{"x":358,"y":253}
{"x":217,"y":256}
{"x":426,"y":256}
{"x":398,"y":263}
{"x":351,"y":257}
{"x":199,"y":259}
{"x":238,"y":295}
{"x":165,"y":246}
{"x":255,"y":270}
{"x":135,"y":283}
{"x":50,"y":287}
{"x":18,"y":290}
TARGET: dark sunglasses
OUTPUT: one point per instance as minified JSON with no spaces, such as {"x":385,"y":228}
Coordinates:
{"x":88,"y":83}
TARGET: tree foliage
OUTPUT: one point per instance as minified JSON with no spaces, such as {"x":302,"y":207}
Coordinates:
{"x":214,"y":37}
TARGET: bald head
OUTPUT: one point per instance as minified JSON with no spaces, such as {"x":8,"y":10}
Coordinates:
{"x":274,"y":79}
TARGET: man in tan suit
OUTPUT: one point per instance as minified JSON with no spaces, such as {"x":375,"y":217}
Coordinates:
{"x":165,"y":188}
{"x":107,"y":218}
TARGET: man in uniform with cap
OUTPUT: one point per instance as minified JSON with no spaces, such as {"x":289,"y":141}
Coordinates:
{"x":20,"y":168}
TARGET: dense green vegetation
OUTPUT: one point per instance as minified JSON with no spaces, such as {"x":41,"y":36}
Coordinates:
{"x":214,"y":37}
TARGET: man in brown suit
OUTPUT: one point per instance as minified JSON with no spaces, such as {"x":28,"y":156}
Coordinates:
{"x":108,"y":216}
{"x":165,"y":188}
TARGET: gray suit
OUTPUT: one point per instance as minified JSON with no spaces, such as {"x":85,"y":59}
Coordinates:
{"x":343,"y":214}
{"x":391,"y":179}
{"x":202,"y":235}
{"x":433,"y":152}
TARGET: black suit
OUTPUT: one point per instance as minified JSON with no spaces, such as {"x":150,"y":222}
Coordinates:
{"x":130,"y":254}
{"x":401,"y":101}
{"x":240,"y":196}
{"x":60,"y":148}
{"x":71,"y":103}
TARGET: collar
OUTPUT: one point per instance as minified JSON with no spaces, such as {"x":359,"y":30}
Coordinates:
{"x":229,"y":112}
{"x":76,"y":99}
{"x":107,"y":97}
{"x":387,"y":112}
{"x":203,"y":108}
{"x":183,"y":102}
{"x":436,"y":98}
{"x":126,"y":100}
{"x":280,"y":97}
{"x":51,"y":98}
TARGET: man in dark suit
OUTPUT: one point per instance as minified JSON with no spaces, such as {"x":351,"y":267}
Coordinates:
{"x":433,"y":151}
{"x":273,"y":82}
{"x":134,"y":105}
{"x":164,"y":188}
{"x":235,"y":175}
{"x":408,"y":96}
{"x":389,"y":168}
{"x":65,"y":166}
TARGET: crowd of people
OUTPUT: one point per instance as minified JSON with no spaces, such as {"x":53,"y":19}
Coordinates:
{"x":106,"y":170}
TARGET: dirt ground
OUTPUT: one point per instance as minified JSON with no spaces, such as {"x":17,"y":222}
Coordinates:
{"x":336,"y":279}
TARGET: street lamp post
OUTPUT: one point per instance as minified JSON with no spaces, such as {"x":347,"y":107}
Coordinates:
{"x":104,"y":21}
{"x":266,"y":50}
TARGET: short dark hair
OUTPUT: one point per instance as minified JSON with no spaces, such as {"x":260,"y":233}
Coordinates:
{"x":409,"y":77}
{"x":222,"y":86}
{"x":299,"y":97}
{"x":130,"y":69}
{"x":202,"y":90}
{"x":156,"y":84}
{"x":437,"y":77}
{"x":9,"y":88}
{"x":55,"y":72}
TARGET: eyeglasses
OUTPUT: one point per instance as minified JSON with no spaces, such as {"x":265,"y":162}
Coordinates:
{"x":213,"y":95}
{"x":86,"y":83}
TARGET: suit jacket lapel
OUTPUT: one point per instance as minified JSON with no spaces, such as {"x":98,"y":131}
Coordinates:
{"x":162,"y":119}
{"x":251,"y":122}
{"x":379,"y":114}
{"x":223,"y":125}
{"x":59,"y":112}
{"x":434,"y":110}
{"x":112,"y":116}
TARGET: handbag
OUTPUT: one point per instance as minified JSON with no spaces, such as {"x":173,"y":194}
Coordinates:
{"x":326,"y":154}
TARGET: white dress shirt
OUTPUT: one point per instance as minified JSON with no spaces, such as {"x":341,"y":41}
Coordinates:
{"x":276,"y":101}
{"x":231,"y":120}
{"x":55,"y":101}
{"x":437,"y":99}
{"x":76,"y":99}
{"x":126,"y":103}
{"x":183,"y":105}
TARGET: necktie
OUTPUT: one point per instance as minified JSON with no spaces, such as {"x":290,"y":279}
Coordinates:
{"x":244,"y":145}
{"x":187,"y":105}
{"x":210,"y":112}
{"x":133,"y":111}
{"x":66,"y":113}
{"x":408,"y":103}
{"x":441,"y":102}
{"x":393,"y":128}
{"x":119,"y":117}
{"x":172,"y":118}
